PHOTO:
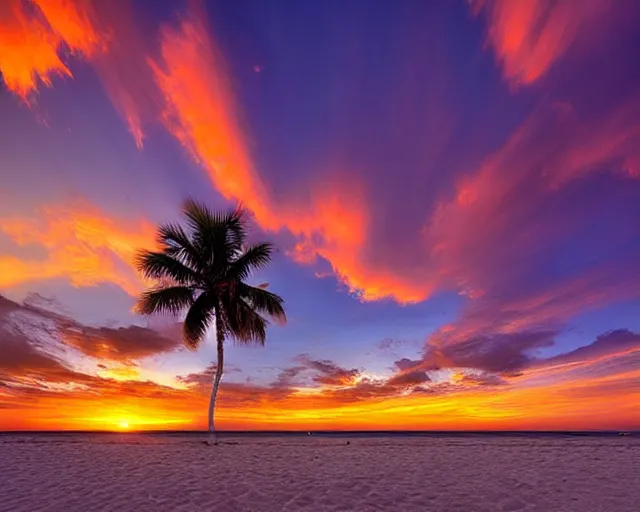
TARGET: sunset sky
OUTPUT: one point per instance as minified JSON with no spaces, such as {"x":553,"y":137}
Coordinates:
{"x":453,"y":188}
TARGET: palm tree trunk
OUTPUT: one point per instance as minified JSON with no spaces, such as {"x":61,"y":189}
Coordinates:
{"x":216,"y":381}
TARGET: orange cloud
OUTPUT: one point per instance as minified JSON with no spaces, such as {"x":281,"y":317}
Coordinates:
{"x":200,"y":111}
{"x":35,"y":34}
{"x":529,"y":36}
{"x":74,"y":21}
{"x":28,"y":50}
{"x":335,"y":226}
{"x":81,"y":244}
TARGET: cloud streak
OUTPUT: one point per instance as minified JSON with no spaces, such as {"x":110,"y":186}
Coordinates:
{"x":29,"y":50}
{"x":530,"y":37}
{"x":201,"y":113}
{"x":119,"y":344}
{"x":40,"y":36}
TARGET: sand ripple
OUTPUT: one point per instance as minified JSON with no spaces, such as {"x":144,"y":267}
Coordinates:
{"x":121,"y":473}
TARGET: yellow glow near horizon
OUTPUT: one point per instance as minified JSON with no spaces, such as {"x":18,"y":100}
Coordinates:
{"x":568,"y":404}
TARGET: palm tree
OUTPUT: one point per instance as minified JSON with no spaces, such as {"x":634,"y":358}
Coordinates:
{"x":202,"y":269}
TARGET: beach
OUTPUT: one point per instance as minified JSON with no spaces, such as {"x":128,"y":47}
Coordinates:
{"x":122,"y":472}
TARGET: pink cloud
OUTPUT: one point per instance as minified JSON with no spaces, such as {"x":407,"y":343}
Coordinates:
{"x":530,"y":36}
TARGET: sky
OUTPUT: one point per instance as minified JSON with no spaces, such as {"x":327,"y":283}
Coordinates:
{"x":453,"y":189}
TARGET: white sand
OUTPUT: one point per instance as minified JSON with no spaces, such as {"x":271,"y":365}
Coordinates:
{"x":126,"y":472}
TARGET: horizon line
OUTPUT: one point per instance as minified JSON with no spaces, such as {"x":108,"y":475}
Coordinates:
{"x":633,"y":430}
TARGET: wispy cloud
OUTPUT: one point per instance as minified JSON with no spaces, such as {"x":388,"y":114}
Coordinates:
{"x":39,"y":37}
{"x":202,"y":113}
{"x":530,"y":37}
{"x":80,"y":243}
{"x":31,"y":46}
{"x":120,"y":344}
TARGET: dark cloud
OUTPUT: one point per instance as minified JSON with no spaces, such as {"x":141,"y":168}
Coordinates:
{"x":8,"y":306}
{"x":198,"y":378}
{"x":31,"y":339}
{"x":205,"y":377}
{"x":608,"y":343}
{"x":483,"y":379}
{"x":121,"y":344}
{"x":28,"y":373}
{"x":19,"y":358}
{"x":422,"y":390}
{"x":327,"y":372}
{"x":494,"y":353}
{"x":35,"y":307}
{"x":51,"y":305}
{"x":407,"y":364}
{"x":390,"y":344}
{"x":339,"y":385}
{"x":244,"y":392}
{"x":410,"y":378}
{"x":236,"y":394}
{"x":287,"y":376}
{"x":369,"y":389}
{"x":372,"y":389}
{"x":39,"y":323}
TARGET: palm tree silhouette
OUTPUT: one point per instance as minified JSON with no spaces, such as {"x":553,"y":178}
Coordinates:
{"x":202,"y":269}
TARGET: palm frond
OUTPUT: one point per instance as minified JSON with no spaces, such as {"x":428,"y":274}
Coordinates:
{"x":173,"y":300}
{"x":208,"y":255}
{"x":198,"y":320}
{"x":255,"y":257}
{"x":175,"y":242}
{"x":219,"y":237}
{"x":263,"y":302}
{"x":237,"y":227}
{"x":249,"y":326}
{"x":160,"y":265}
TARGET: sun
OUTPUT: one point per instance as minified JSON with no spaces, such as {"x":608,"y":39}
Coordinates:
{"x":124,"y":425}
